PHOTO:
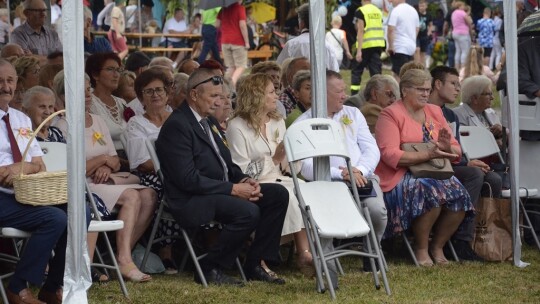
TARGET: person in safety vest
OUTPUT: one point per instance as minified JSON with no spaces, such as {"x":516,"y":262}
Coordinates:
{"x":370,"y":43}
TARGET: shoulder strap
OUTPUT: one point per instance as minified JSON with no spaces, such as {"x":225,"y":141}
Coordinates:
{"x":340,"y":43}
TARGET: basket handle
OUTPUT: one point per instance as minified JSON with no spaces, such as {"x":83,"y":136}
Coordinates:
{"x":34,"y":136}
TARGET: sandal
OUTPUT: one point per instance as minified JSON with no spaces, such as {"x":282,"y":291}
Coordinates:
{"x":99,"y":277}
{"x":170,"y":266}
{"x":130,"y":272}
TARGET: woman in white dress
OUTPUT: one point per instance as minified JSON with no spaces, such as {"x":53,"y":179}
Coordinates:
{"x":152,"y":89}
{"x":255,"y":135}
{"x":137,"y":203}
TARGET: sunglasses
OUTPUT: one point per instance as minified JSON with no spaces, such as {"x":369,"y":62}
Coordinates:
{"x":216,"y":80}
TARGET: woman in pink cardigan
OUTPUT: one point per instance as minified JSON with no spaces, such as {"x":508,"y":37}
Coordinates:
{"x":423,"y":204}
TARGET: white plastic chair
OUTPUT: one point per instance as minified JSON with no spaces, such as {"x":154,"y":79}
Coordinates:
{"x":328,"y":209}
{"x":479,"y":142}
{"x":163,"y":214}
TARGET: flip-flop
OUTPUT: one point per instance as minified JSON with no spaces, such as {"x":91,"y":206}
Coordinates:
{"x":131,"y":273}
{"x":99,"y":277}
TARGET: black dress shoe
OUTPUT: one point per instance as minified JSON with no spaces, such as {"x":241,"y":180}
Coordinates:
{"x":367,"y":265}
{"x":217,"y":277}
{"x":465,"y":252}
{"x":259,"y":274}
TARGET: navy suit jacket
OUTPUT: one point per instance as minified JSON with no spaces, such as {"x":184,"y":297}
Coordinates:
{"x":189,"y":162}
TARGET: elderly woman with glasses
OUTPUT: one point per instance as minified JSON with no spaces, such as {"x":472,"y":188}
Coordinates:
{"x":424,"y":205}
{"x":477,"y":99}
{"x":380,"y":92}
{"x":152,"y":88}
{"x":105,"y":70}
{"x":28,"y":67}
{"x":255,"y":135}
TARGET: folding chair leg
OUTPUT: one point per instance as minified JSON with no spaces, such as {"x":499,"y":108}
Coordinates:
{"x":2,"y":290}
{"x":115,"y":264}
{"x":194,"y":258}
{"x":528,"y":224}
{"x":339,"y":267}
{"x":241,"y":270}
{"x":101,"y":261}
{"x":323,"y":262}
{"x":409,"y":248}
{"x":316,"y":256}
{"x":151,"y":238}
{"x":451,"y":246}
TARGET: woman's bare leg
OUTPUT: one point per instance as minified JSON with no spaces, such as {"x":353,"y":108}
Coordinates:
{"x":421,"y":228}
{"x":148,"y":198}
{"x":447,"y":223}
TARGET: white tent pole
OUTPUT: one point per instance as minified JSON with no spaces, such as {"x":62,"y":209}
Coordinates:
{"x":77,"y":272}
{"x":317,"y":31}
{"x":510,"y":33}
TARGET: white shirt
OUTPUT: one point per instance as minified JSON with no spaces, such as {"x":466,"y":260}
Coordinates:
{"x":363,"y":150}
{"x":139,"y":128}
{"x":406,"y":21}
{"x":172,"y":24}
{"x":104,"y":17}
{"x":22,"y":129}
{"x":335,"y":42}
{"x":116,"y":125}
{"x":299,"y":47}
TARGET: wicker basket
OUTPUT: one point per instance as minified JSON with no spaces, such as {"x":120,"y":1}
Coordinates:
{"x":43,"y":188}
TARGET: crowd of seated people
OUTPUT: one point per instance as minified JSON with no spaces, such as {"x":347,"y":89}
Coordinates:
{"x":223,"y":146}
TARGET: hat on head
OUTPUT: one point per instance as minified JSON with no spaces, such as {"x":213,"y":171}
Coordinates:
{"x":137,"y":60}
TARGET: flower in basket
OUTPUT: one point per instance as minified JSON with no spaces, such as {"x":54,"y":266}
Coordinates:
{"x":346,"y":120}
{"x":98,"y":137}
{"x":128,"y":113}
{"x":25,"y":132}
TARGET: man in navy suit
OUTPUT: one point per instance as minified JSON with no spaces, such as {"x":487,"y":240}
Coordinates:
{"x":203,"y":184}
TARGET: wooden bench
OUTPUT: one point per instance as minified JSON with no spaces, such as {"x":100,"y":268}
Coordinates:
{"x":260,"y":54}
{"x":158,"y":49}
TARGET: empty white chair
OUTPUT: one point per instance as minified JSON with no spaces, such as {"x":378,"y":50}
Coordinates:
{"x":328,"y":209}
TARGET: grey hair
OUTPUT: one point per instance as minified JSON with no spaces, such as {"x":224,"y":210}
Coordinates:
{"x":58,"y":83}
{"x":473,"y":86}
{"x":414,"y":77}
{"x":299,"y":78}
{"x":161,"y":61}
{"x":33,"y":91}
{"x":303,"y":14}
{"x":378,"y":82}
{"x":180,"y":80}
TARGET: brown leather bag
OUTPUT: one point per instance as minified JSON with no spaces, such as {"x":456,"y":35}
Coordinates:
{"x":438,"y":168}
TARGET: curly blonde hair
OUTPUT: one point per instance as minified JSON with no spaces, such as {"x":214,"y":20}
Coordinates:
{"x":23,"y":64}
{"x":474,"y":65}
{"x":250,"y":100}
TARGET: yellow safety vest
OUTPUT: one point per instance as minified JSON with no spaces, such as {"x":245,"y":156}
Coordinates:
{"x":373,"y":31}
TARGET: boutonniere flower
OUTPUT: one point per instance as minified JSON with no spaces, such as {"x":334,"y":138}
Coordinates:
{"x":430,"y":127}
{"x":98,"y":137}
{"x":346,"y":120}
{"x":223,"y":139}
{"x":277,"y":139}
{"x":25,"y":132}
{"x":128,"y":113}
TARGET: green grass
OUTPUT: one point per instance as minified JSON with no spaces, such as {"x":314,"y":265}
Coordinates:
{"x":455,"y":283}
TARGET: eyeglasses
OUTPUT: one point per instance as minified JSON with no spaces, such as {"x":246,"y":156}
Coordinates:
{"x":390,"y":94}
{"x":456,"y":84}
{"x":160,"y":91}
{"x":232,"y":95}
{"x":113,"y":69}
{"x":38,"y":10}
{"x":20,"y":92}
{"x":36,"y":71}
{"x":216,"y":80}
{"x":490,"y":94}
{"x":422,"y":90}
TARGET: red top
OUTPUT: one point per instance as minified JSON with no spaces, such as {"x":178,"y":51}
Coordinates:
{"x":230,"y":18}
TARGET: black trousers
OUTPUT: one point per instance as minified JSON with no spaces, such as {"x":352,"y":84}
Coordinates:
{"x":239,"y":218}
{"x":371,"y":58}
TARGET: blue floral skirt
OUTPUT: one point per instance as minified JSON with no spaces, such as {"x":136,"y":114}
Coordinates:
{"x":413,"y":197}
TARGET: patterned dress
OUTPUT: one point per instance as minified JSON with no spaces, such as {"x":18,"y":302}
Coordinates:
{"x":413,"y":197}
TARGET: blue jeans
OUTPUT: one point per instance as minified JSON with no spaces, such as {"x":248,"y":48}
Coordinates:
{"x":209,"y":35}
